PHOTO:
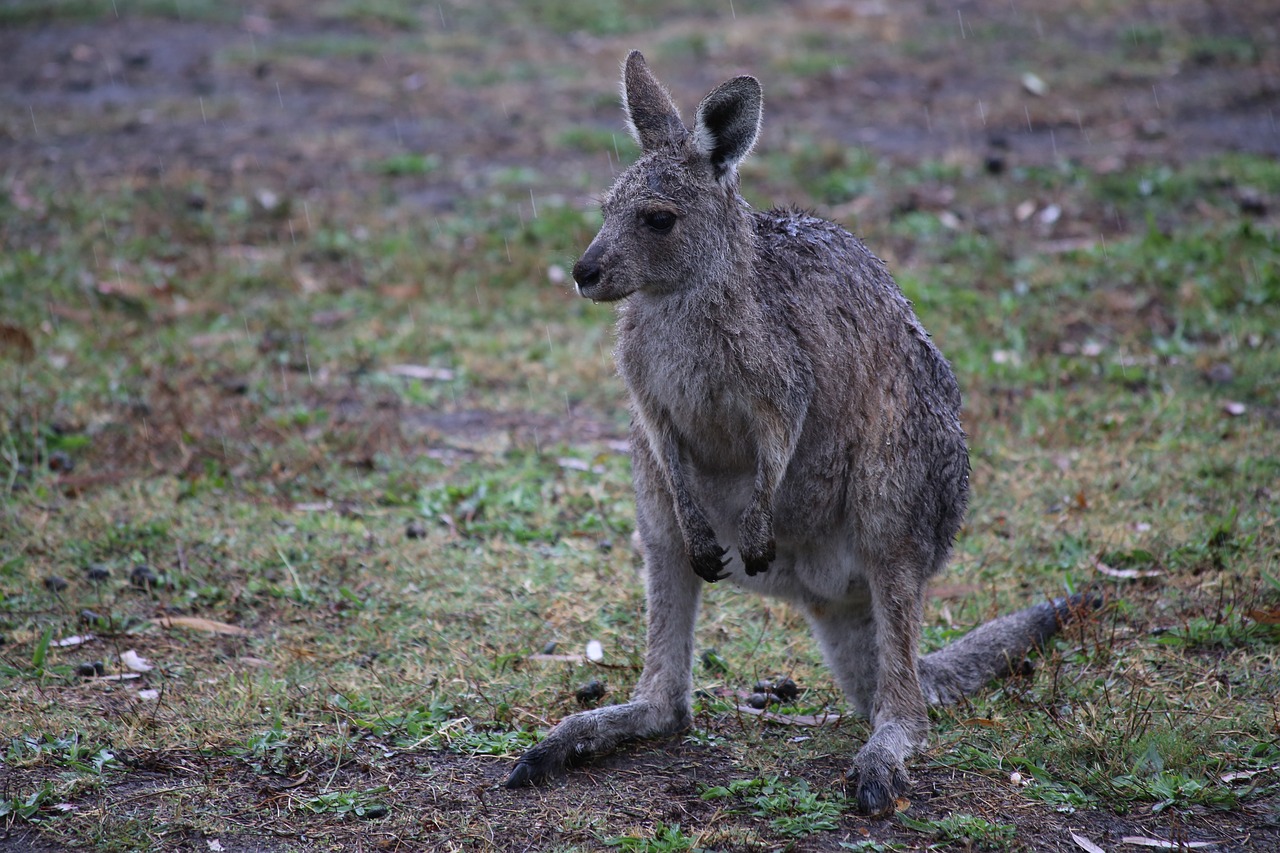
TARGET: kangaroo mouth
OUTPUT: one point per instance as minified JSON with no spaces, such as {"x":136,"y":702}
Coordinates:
{"x":597,"y":291}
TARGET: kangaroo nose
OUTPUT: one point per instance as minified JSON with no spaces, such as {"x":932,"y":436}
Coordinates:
{"x":586,"y":272}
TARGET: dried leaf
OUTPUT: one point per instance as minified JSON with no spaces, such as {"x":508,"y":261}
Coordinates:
{"x":1265,"y":617}
{"x":1161,"y":844}
{"x":402,"y":292}
{"x":1242,"y":775}
{"x":1085,"y":844}
{"x":15,"y":339}
{"x":579,"y":465}
{"x":132,"y":660}
{"x":421,"y":371}
{"x":197,"y":623}
{"x":74,"y":640}
{"x":565,"y":658}
{"x":1127,"y":574}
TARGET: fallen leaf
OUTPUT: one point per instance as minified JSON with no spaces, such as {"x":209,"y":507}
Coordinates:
{"x":132,"y":660}
{"x":74,"y":640}
{"x":1241,"y":775}
{"x":399,"y":291}
{"x":197,"y":623}
{"x":16,"y":339}
{"x":421,"y":371}
{"x":1161,"y":844}
{"x":579,"y":465}
{"x":1127,"y":574}
{"x":1265,"y":617}
{"x":135,"y":291}
{"x":1085,"y":844}
{"x":565,"y":658}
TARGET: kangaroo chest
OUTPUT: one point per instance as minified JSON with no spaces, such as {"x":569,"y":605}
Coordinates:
{"x":692,"y":384}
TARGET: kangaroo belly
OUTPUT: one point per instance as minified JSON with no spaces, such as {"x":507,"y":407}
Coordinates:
{"x":813,"y":576}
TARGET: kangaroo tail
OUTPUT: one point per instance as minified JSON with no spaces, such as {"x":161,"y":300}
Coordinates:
{"x":997,"y":648}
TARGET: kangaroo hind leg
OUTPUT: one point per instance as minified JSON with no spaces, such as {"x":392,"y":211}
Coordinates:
{"x":872,"y":647}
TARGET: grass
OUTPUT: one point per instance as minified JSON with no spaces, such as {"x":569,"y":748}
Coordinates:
{"x":364,"y":590}
{"x":278,"y":504}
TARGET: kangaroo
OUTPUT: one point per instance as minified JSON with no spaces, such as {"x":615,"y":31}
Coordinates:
{"x":794,"y":431}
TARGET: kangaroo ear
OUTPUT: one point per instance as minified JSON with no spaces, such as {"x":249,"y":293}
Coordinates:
{"x":728,"y":123}
{"x":652,"y":117}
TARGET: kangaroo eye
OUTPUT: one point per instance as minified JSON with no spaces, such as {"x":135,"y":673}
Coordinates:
{"x":661,"y":221}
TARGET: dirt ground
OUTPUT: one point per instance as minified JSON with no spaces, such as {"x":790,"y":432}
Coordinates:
{"x":137,"y":100}
{"x":239,"y":105}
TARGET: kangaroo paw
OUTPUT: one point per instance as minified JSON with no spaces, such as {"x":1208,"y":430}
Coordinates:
{"x":755,"y":538}
{"x":535,"y":767}
{"x":880,"y":780}
{"x":757,"y":562}
{"x":709,"y":564}
{"x":589,"y":734}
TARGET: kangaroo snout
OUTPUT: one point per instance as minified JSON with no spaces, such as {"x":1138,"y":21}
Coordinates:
{"x":587,"y":271}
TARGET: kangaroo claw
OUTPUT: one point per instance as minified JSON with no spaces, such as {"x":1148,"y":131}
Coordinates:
{"x":709,"y":565}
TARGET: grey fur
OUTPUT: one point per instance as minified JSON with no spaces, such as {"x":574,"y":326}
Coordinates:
{"x":787,"y":403}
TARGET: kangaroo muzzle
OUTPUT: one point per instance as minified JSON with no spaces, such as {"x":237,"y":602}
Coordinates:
{"x":587,"y":271}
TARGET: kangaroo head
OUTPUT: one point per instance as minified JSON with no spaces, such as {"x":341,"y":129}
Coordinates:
{"x":674,"y":218}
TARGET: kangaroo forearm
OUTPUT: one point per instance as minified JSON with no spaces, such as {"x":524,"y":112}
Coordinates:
{"x":777,"y":441}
